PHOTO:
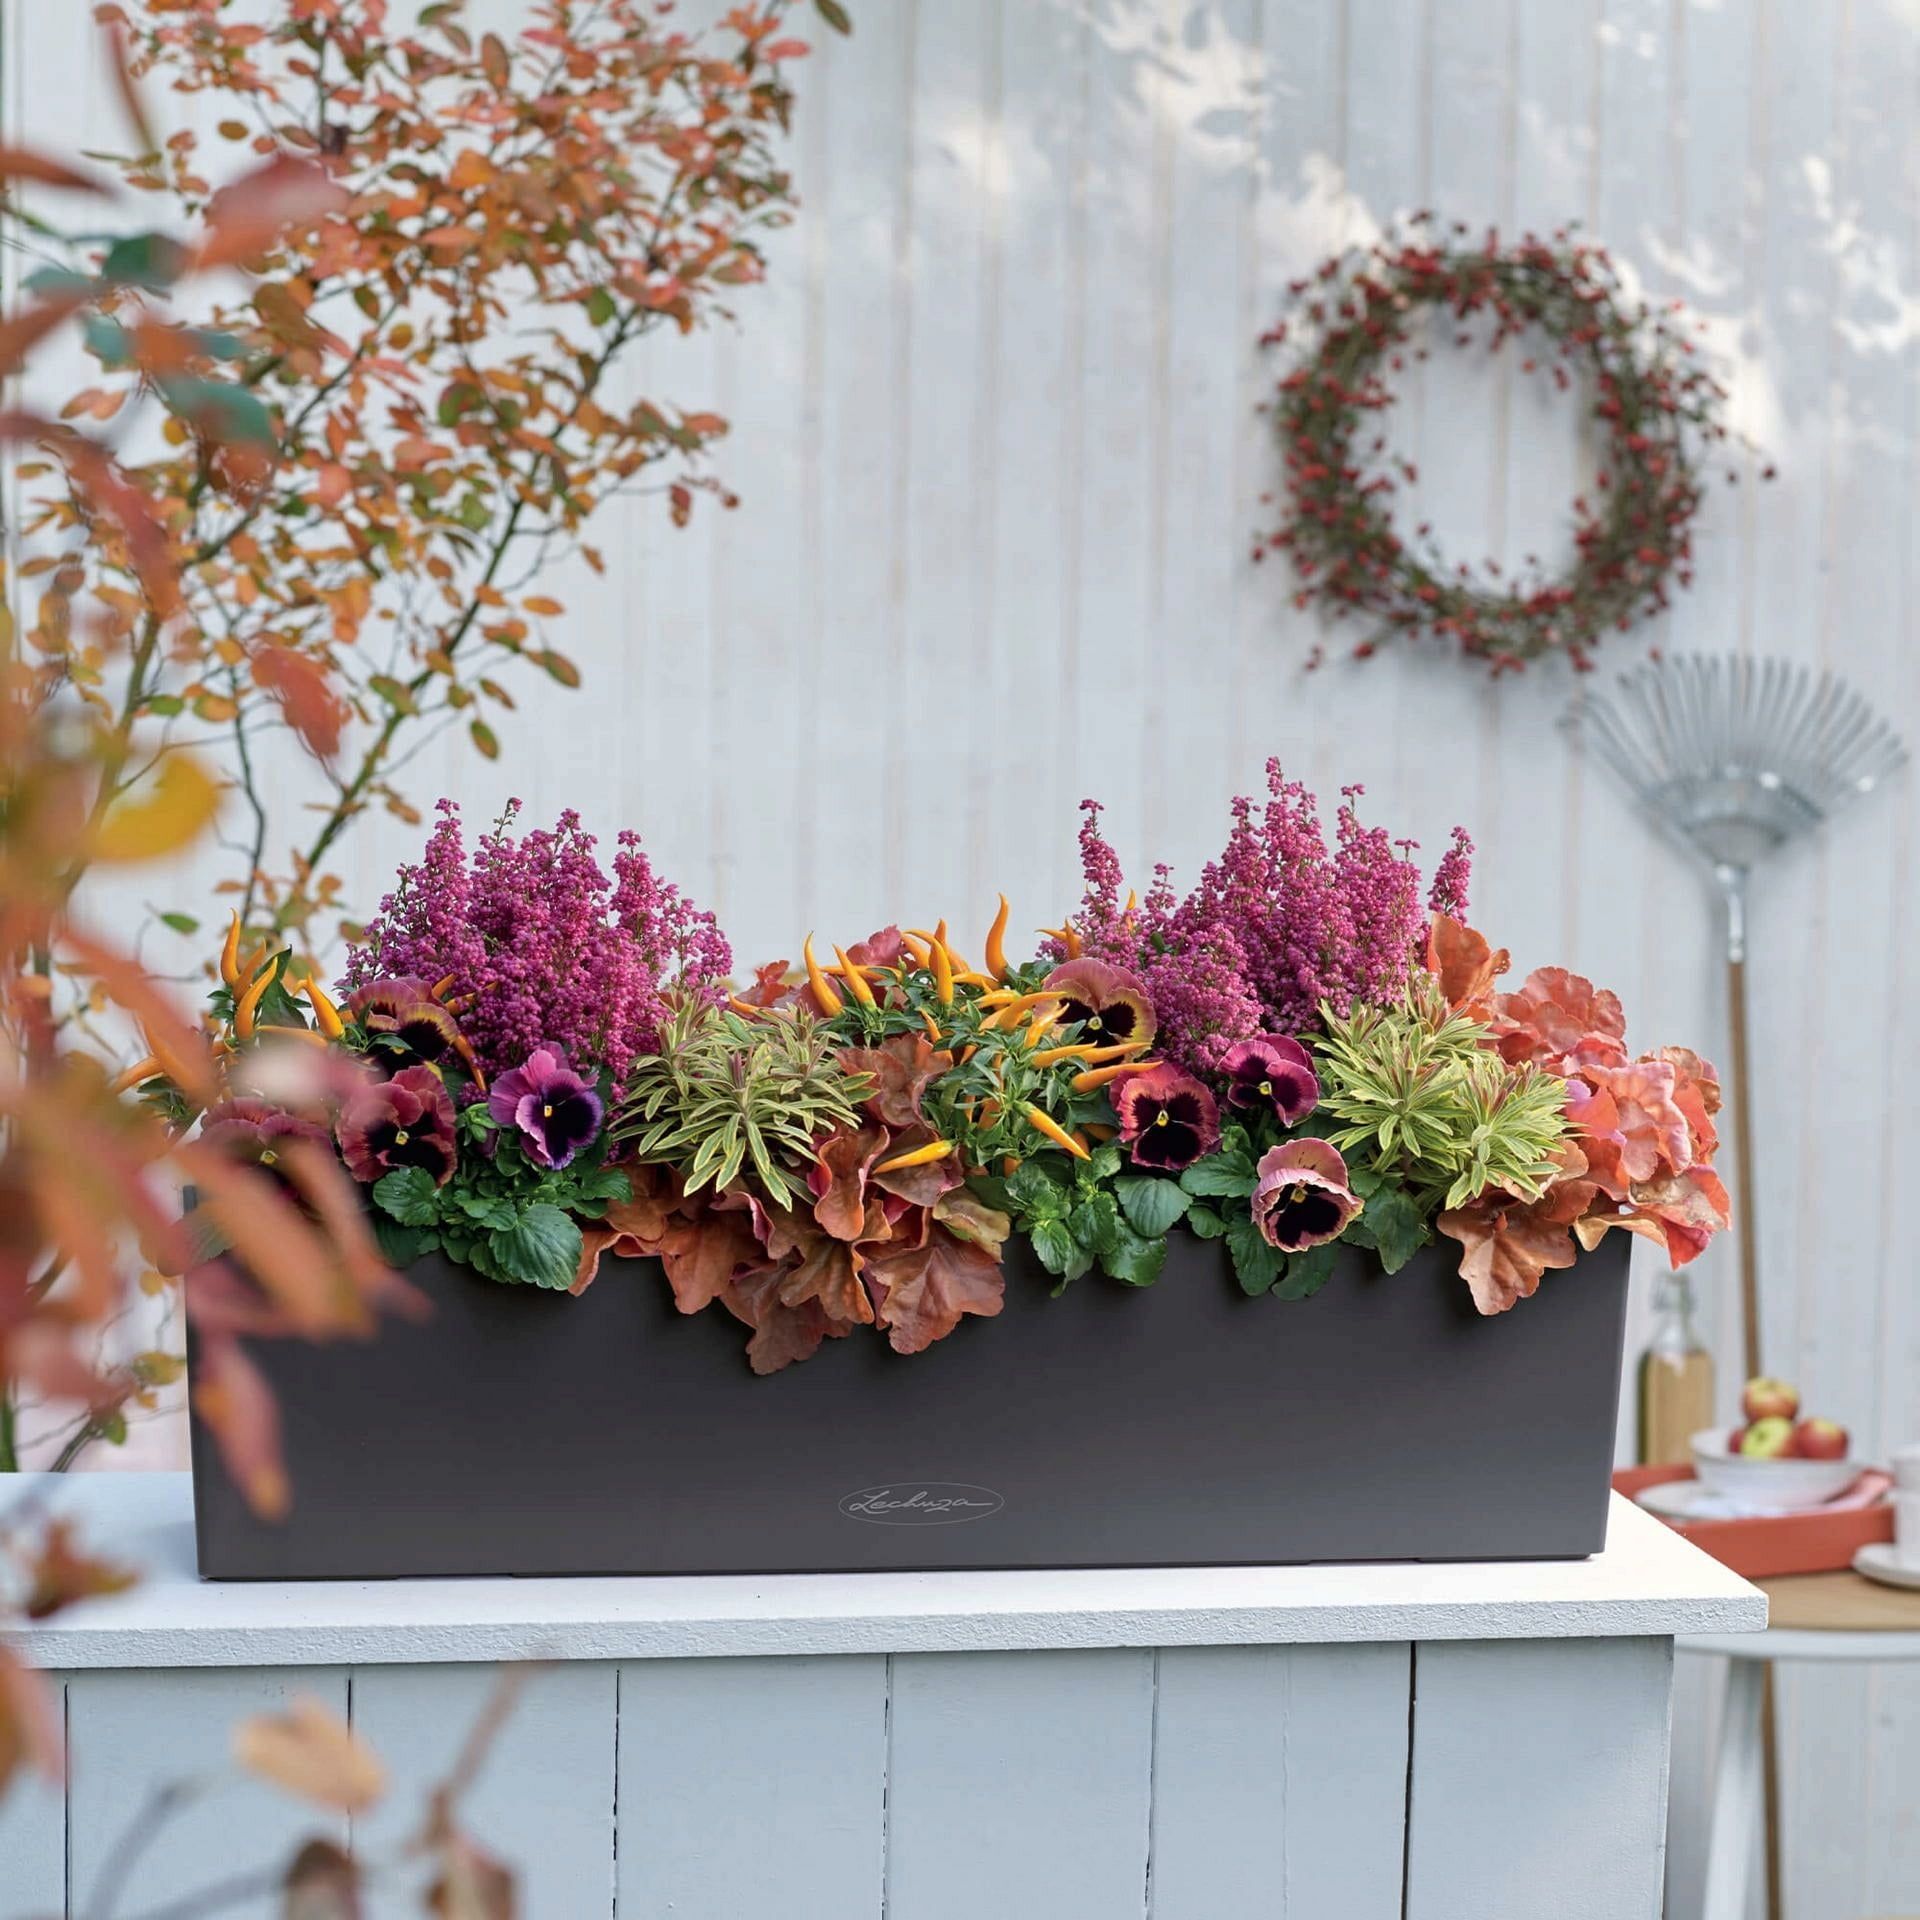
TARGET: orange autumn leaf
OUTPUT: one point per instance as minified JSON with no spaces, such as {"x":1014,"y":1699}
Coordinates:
{"x":308,"y":1751}
{"x":1464,"y":963}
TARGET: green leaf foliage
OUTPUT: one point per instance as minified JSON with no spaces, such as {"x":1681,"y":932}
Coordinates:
{"x":1255,"y":1264}
{"x":1307,"y":1272}
{"x":541,"y":1248}
{"x":408,"y":1195}
{"x":1421,"y":1102}
{"x":1151,"y":1204}
{"x":1133,"y":1258}
{"x":725,"y":1094}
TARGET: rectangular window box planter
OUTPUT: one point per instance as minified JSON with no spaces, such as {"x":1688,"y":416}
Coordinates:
{"x":519,"y":1432}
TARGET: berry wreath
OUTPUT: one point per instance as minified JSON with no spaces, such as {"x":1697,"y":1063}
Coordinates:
{"x":1656,"y":408}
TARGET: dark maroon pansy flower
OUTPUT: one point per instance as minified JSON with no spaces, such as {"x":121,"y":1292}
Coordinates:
{"x":1275,"y":1072}
{"x":403,"y":1122}
{"x":257,"y":1134}
{"x":555,"y":1111}
{"x":405,"y":1007}
{"x":1302,"y":1199}
{"x":1108,"y":1004}
{"x":1167,"y":1118}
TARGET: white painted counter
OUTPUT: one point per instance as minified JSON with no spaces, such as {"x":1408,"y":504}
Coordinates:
{"x":1185,"y":1744}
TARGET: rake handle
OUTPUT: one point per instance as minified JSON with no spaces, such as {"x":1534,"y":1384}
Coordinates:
{"x":1746,"y":1237}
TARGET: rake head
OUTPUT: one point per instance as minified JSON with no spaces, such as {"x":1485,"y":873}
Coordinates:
{"x":1734,"y":757}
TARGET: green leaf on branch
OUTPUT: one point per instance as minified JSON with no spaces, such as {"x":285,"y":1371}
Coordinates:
{"x":541,"y":1248}
{"x":408,"y":1195}
{"x":1151,"y":1204}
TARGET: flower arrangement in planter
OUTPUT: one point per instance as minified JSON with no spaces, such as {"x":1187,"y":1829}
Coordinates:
{"x":1300,"y":1078}
{"x":1306,"y":1051}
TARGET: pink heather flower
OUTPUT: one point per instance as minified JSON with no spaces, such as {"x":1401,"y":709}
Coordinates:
{"x":554,"y":1111}
{"x":1278,"y":923}
{"x":553,"y":949}
{"x":1302,"y":1199}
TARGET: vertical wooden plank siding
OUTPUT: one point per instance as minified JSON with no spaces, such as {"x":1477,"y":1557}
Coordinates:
{"x":1279,"y":1783}
{"x":1017,"y":1784}
{"x":542,"y":1800}
{"x":752,"y":1787}
{"x":134,"y":1735}
{"x":33,"y":1835}
{"x":1538,"y":1775}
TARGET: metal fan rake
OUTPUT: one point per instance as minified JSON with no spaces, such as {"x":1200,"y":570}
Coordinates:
{"x":1736,"y":758}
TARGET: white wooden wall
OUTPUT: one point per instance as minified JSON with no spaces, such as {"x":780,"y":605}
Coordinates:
{"x":996,"y":434}
{"x":1372,"y":1782}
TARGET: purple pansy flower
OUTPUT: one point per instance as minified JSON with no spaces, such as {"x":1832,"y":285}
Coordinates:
{"x":403,"y":1122}
{"x":1302,"y":1199}
{"x":1168,"y":1120}
{"x":555,"y":1110}
{"x":1273,"y":1071}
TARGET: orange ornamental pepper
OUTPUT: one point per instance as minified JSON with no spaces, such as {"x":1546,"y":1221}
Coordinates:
{"x":145,"y":1069}
{"x":1067,"y":937}
{"x":1009,"y":1011}
{"x":441,"y":987}
{"x":1044,"y":1123}
{"x":1041,"y":1021}
{"x":942,"y":974}
{"x":855,"y":979}
{"x":932,"y":1026}
{"x":1133,"y":901}
{"x":326,"y":1015}
{"x":248,"y":1008}
{"x":1046,"y":1056}
{"x":230,"y":952}
{"x":1096,"y":1056}
{"x":745,"y":1008}
{"x":918,"y":1157}
{"x":464,"y":1048}
{"x":919,"y":948}
{"x":997,"y":943}
{"x":1099,"y":1076}
{"x":823,"y":989}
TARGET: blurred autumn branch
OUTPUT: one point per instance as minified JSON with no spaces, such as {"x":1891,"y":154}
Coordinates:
{"x":364,"y":459}
{"x":90,"y":1183}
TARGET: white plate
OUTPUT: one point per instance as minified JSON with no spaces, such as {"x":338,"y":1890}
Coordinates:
{"x":1877,"y":1563}
{"x":1691,"y":1500}
{"x":1768,"y":1486}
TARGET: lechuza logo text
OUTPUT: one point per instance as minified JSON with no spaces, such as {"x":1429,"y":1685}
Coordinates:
{"x":921,"y":1503}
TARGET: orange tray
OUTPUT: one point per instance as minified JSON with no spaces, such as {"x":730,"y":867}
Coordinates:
{"x":1777,"y":1543}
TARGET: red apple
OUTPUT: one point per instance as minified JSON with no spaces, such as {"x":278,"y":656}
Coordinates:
{"x":1768,"y":1439}
{"x":1767,"y":1399}
{"x":1820,"y":1440}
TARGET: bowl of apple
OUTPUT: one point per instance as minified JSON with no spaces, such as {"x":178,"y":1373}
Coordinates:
{"x":1777,"y":1460}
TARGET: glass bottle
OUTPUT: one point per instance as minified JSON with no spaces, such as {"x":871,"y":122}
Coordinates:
{"x":1676,"y":1377}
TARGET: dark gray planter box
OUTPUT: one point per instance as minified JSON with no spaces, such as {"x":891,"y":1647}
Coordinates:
{"x":520,"y":1432}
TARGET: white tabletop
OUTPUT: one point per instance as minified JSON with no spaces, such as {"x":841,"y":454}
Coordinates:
{"x":1648,"y":1582}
